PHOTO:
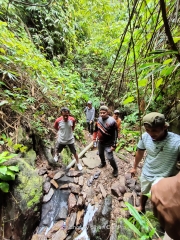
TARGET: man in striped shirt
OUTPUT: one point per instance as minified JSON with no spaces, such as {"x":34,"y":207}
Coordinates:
{"x":162,"y":148}
{"x":106,"y":133}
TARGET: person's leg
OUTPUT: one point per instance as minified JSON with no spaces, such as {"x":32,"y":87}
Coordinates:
{"x":58,"y":148}
{"x":101,"y":155}
{"x":91,"y":128}
{"x":112,"y":161}
{"x":143,"y":200}
{"x":88,"y":125}
{"x":73,"y":151}
{"x":145,"y":188}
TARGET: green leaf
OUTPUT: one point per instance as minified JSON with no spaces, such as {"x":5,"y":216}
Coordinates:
{"x":144,"y":237}
{"x":158,"y":82}
{"x":152,"y":232}
{"x":3,"y":169}
{"x":4,"y":187}
{"x":132,"y":227}
{"x":148,"y":195}
{"x":11,"y":174}
{"x":135,"y":214}
{"x":142,"y":82}
{"x":147,"y":65}
{"x":3,"y":160}
{"x":14,"y":168}
{"x":4,"y":154}
{"x":176,"y":39}
{"x":167,"y":71}
{"x":167,"y":61}
{"x":128,"y":100}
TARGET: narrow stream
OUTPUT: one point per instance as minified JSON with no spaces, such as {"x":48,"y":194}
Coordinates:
{"x":87,"y":218}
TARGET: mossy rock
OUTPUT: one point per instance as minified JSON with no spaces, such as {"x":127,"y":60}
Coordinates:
{"x":30,"y":157}
{"x":28,"y":186}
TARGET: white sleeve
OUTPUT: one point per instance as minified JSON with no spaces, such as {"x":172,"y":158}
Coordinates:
{"x":141,"y":143}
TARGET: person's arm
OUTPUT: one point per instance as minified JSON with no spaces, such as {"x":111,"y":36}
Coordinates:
{"x":95,"y":132}
{"x":85,"y":110}
{"x":56,"y":124}
{"x":113,"y":147}
{"x":165,"y":196}
{"x":92,"y":118}
{"x":74,"y":124}
{"x":138,"y":158}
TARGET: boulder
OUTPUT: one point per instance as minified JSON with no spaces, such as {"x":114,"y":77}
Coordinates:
{"x":21,"y":207}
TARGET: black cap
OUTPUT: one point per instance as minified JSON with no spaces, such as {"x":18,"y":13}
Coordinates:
{"x":64,"y":109}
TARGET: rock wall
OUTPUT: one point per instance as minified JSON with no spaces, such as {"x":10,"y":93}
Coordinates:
{"x":20,"y":208}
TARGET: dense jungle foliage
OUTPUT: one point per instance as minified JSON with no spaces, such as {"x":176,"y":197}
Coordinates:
{"x":55,"y":53}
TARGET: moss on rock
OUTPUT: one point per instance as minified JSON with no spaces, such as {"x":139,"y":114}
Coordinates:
{"x":28,"y":188}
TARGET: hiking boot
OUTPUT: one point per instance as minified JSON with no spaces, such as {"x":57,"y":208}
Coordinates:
{"x":102,"y":165}
{"x":115,"y":172}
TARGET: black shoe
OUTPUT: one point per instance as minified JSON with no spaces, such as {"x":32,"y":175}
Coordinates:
{"x":115,"y":172}
{"x":102,"y":165}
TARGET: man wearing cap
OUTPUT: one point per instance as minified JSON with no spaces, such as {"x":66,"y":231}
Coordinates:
{"x":65,"y":126}
{"x":162,"y":150}
{"x":106,"y":133}
{"x":90,"y":114}
{"x":118,"y":121}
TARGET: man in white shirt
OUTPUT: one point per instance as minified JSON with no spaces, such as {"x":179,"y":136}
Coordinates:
{"x":65,"y":126}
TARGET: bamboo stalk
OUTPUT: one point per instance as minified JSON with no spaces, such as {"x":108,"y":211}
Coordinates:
{"x":80,"y":155}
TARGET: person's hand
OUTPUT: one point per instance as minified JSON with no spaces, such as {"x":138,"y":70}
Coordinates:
{"x":90,"y":122}
{"x":133,"y":172}
{"x":112,"y":148}
{"x":165,"y":197}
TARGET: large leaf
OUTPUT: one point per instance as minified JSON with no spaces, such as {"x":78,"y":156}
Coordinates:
{"x":135,"y":214}
{"x":4,"y":186}
{"x":3,"y":160}
{"x":148,"y":65}
{"x":3,"y":169}
{"x":132,"y":227}
{"x":14,"y":168}
{"x":10,"y":174}
{"x":128,"y":100}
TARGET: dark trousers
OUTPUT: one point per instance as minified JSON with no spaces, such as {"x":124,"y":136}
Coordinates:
{"x":109,"y":154}
{"x":90,"y":127}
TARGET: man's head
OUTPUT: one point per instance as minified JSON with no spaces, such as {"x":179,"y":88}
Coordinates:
{"x":89,"y":104}
{"x":65,"y":113}
{"x":155,"y":125}
{"x":102,"y":103}
{"x":116,"y":114}
{"x":103,"y":112}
